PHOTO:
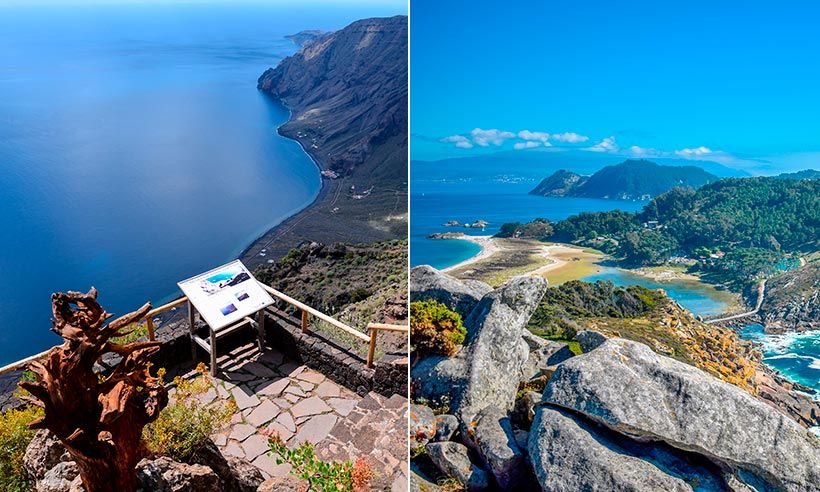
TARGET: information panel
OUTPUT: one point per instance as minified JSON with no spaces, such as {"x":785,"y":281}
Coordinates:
{"x":225,"y":294}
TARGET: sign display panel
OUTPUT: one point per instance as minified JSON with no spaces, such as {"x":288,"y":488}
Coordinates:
{"x":225,"y":294}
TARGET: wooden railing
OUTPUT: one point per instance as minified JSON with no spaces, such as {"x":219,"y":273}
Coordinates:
{"x":374,"y":329}
{"x":306,"y":312}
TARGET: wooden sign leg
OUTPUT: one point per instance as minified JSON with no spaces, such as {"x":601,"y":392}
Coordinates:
{"x":260,"y":327}
{"x":192,"y":327}
{"x":213,"y":351}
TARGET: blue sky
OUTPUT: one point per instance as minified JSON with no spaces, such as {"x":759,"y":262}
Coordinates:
{"x":735,"y":82}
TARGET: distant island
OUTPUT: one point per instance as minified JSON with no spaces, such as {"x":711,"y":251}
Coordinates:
{"x":804,"y":174}
{"x":303,"y":38}
{"x":629,"y":180}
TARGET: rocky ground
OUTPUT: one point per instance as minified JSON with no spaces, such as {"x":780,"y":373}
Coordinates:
{"x":511,"y":411}
{"x":792,"y":300}
{"x":272,"y":394}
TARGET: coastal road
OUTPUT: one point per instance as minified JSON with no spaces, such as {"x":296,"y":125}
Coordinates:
{"x":761,"y":291}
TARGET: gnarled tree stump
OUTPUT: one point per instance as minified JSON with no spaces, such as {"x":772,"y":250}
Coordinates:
{"x":98,"y":419}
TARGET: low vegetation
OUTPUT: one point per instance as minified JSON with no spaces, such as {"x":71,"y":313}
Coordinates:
{"x":15,"y":436}
{"x":321,"y":476}
{"x":434,"y":329}
{"x":186,"y":424}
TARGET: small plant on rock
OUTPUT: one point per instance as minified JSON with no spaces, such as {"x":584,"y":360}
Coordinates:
{"x":187,"y":423}
{"x":321,"y":476}
{"x":434,"y":329}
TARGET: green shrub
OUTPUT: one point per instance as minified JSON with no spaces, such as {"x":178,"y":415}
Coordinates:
{"x":15,"y":437}
{"x":321,"y":476}
{"x":186,"y":424}
{"x":434,"y":329}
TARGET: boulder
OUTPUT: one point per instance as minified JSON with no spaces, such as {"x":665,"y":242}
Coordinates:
{"x":569,"y":452}
{"x":543,"y":354}
{"x":427,"y":283}
{"x":496,"y":351}
{"x":236,"y":474}
{"x":285,"y":483}
{"x":165,"y":475}
{"x":524,"y":410}
{"x":446,"y":427}
{"x":453,"y":460}
{"x":245,"y":476}
{"x":436,"y":378}
{"x":43,"y":453}
{"x":422,"y":426}
{"x":420,"y":483}
{"x":589,"y":340}
{"x":627,"y":387}
{"x":59,"y":478}
{"x":491,"y":436}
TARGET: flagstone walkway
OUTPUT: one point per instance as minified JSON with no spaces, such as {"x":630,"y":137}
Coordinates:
{"x":274,"y":394}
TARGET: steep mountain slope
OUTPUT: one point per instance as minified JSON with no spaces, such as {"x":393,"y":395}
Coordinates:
{"x":792,"y":300}
{"x":629,"y":180}
{"x":804,"y":174}
{"x":347,"y":91}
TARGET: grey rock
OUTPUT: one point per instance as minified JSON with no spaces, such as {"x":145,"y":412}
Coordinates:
{"x":570,"y":453}
{"x":446,"y":427}
{"x":43,"y":453}
{"x":453,"y":460}
{"x":524,"y":411}
{"x":627,"y":387}
{"x":495,"y":349}
{"x":166,"y":475}
{"x":543,"y":354}
{"x":420,"y":483}
{"x":59,"y":478}
{"x":427,"y":283}
{"x":589,"y":340}
{"x":422,"y":426}
{"x":245,"y":476}
{"x":491,"y":436}
{"x":437,"y":378}
{"x":284,"y":483}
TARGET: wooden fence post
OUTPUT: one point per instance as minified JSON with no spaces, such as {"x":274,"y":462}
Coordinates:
{"x":304,"y":321}
{"x":372,"y":352}
{"x":149,"y":323}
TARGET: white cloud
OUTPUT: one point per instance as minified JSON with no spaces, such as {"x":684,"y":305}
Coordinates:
{"x":485,"y":138}
{"x":694,"y":153}
{"x":569,"y":137}
{"x":606,"y":145}
{"x":461,"y":141}
{"x":535,"y":136}
{"x":528,"y":145}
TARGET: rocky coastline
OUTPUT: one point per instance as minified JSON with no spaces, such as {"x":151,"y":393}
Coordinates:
{"x":512,"y":411}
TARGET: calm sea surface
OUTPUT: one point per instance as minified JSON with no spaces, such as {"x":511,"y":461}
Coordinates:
{"x":135,"y":150}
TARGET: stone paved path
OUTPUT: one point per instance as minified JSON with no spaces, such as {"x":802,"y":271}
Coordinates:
{"x":275,"y":394}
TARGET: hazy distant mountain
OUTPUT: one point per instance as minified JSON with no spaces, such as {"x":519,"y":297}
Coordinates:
{"x":629,"y":180}
{"x":303,"y":38}
{"x":804,"y":174}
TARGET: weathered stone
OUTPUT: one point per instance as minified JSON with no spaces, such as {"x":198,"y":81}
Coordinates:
{"x":263,"y":414}
{"x":254,"y":446}
{"x":492,"y":437}
{"x":43,"y":453}
{"x":453,"y":460}
{"x":569,"y":452}
{"x":59,"y":478}
{"x":241,"y":432}
{"x":438,"y":378}
{"x":420,"y":483}
{"x":246,"y":477}
{"x":631,"y":389}
{"x":496,"y":350}
{"x":285,"y":419}
{"x":273,"y":389}
{"x":427,"y":283}
{"x":166,"y":475}
{"x":524,"y":410}
{"x":446,"y":427}
{"x":543,"y":354}
{"x":590,"y":340}
{"x":284,"y":483}
{"x":311,"y":406}
{"x":422,"y":426}
{"x":315,"y":429}
{"x":244,"y":397}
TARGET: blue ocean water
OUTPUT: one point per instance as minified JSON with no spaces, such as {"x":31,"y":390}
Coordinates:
{"x":796,"y":355}
{"x":135,"y":150}
{"x":696,"y":298}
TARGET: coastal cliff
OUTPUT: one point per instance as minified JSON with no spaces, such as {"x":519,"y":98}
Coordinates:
{"x":347,"y":92}
{"x":792,"y":301}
